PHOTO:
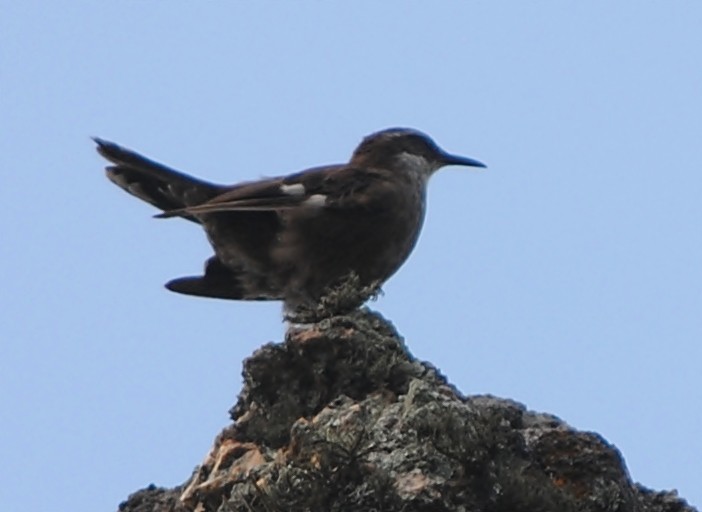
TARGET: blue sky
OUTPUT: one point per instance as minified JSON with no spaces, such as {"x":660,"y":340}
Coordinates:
{"x":567,"y":276}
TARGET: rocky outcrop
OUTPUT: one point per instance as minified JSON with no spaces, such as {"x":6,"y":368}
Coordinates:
{"x":341,"y":417}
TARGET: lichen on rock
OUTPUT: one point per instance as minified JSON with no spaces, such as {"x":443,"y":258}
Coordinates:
{"x":341,"y":417}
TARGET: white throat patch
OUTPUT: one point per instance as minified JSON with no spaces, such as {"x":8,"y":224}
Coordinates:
{"x":417,"y":165}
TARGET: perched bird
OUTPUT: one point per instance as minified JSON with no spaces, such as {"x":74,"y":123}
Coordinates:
{"x":294,"y":238}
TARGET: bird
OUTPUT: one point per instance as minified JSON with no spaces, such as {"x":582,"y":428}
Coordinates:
{"x":299,"y":237}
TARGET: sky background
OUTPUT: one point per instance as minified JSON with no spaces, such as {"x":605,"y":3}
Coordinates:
{"x":567,"y":276}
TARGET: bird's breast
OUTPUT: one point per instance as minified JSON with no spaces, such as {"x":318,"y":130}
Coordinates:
{"x":324,"y":246}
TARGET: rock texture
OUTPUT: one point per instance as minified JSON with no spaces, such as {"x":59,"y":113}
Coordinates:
{"x":340,"y":417}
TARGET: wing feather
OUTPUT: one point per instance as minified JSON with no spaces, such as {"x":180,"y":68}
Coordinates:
{"x":336,"y":186}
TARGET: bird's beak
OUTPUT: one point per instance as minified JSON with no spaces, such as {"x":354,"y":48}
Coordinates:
{"x":448,"y":159}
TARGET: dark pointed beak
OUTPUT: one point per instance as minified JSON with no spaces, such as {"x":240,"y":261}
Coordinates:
{"x":448,"y":159}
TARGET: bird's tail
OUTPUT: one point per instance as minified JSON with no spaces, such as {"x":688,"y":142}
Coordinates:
{"x":152,"y":182}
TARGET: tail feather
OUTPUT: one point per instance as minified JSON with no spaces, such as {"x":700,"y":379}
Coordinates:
{"x":161,"y":186}
{"x":221,"y":282}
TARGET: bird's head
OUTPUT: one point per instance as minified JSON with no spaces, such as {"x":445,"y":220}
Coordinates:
{"x":406,"y":148}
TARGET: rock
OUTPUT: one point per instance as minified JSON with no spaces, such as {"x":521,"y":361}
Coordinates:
{"x":341,"y":417}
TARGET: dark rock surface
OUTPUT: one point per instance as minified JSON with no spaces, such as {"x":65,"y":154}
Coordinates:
{"x":340,"y":417}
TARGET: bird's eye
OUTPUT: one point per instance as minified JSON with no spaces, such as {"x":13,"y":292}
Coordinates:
{"x":420,"y":145}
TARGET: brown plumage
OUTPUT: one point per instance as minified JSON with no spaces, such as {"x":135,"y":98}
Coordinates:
{"x":293,"y":238}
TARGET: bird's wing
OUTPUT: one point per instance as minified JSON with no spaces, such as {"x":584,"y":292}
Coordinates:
{"x":323,"y":187}
{"x":152,"y":182}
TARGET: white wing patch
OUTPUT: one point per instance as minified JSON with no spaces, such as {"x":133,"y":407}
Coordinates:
{"x":296,"y":189}
{"x":315,"y":200}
